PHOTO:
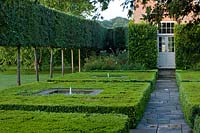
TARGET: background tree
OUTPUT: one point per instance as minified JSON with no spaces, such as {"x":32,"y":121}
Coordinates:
{"x":81,"y":8}
{"x":173,"y":8}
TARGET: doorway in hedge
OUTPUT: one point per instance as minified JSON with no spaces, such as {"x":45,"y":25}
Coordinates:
{"x":166,"y":47}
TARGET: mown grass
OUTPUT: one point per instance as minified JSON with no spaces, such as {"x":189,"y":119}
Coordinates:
{"x":9,"y":78}
{"x":44,"y":122}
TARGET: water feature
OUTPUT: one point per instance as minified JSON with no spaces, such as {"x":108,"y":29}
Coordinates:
{"x":70,"y":91}
{"x":108,"y":75}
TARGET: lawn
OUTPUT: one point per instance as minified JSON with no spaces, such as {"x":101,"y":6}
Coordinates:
{"x":44,"y":122}
{"x":9,"y":78}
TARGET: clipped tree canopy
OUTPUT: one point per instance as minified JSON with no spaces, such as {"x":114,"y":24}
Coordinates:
{"x":26,"y":23}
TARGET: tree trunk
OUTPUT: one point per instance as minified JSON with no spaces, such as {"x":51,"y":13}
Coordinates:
{"x":51,"y":64}
{"x":72,"y":59}
{"x":18,"y":66}
{"x":63,"y":65}
{"x":79,"y":60}
{"x":36,"y":64}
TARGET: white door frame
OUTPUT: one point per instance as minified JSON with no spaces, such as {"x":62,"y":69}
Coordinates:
{"x":165,"y":37}
{"x":166,"y":57}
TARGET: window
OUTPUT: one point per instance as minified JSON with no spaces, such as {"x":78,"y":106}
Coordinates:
{"x":162,"y":47}
{"x":170,"y":44}
{"x":166,"y":28}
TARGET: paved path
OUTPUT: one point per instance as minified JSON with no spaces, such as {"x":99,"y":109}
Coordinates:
{"x":163,"y":113}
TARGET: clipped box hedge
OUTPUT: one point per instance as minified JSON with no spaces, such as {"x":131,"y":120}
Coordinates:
{"x":197,"y":125}
{"x":44,"y":122}
{"x":190,"y":100}
{"x":110,"y":76}
{"x":121,"y":97}
{"x":188,"y":76}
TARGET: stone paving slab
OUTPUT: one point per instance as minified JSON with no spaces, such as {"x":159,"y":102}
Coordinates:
{"x":163,"y":113}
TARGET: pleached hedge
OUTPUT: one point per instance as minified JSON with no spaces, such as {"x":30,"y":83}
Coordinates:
{"x":26,"y":23}
{"x":128,"y":98}
{"x":143,"y":44}
{"x":44,"y":122}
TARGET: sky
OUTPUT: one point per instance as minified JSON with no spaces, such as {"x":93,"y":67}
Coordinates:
{"x":114,"y":10}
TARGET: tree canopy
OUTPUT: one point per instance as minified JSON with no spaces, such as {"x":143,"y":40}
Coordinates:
{"x":75,"y":7}
{"x":173,"y":8}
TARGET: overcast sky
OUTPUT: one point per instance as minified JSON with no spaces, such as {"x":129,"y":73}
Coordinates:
{"x":114,"y":10}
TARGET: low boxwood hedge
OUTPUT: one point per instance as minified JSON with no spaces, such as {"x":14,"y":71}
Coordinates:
{"x":190,"y":100}
{"x":197,"y":125}
{"x":110,"y":76}
{"x":121,"y":97}
{"x":188,"y":76}
{"x":44,"y":122}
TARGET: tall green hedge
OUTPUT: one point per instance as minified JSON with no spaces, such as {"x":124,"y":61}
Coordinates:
{"x":187,"y":42}
{"x":27,"y":23}
{"x":117,"y":38}
{"x":143,"y":44}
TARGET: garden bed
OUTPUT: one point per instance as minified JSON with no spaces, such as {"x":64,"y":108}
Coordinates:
{"x":121,"y":97}
{"x":44,"y":122}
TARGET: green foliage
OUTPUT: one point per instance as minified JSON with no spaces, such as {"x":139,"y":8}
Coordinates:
{"x":142,"y":44}
{"x":123,"y":98}
{"x":197,"y":125}
{"x":187,"y":42}
{"x":38,"y":122}
{"x":111,"y":62}
{"x":27,"y":23}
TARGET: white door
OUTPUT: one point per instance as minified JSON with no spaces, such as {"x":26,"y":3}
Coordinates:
{"x":166,"y":56}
